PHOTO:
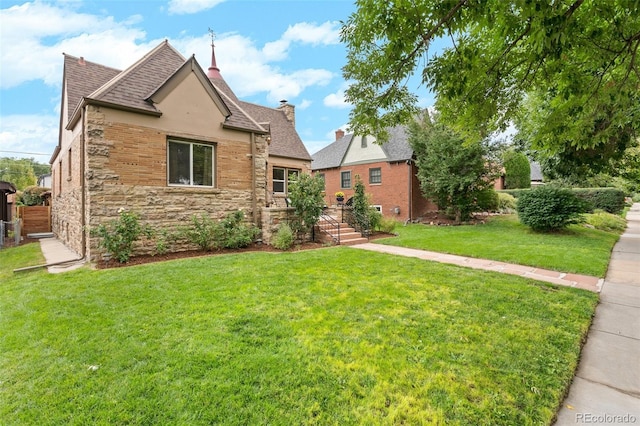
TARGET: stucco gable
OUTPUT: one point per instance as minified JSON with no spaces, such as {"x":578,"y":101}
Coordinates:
{"x":190,"y":67}
{"x":131,"y":88}
{"x":347,"y":150}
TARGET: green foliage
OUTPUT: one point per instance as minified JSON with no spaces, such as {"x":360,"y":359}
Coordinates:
{"x":202,"y":232}
{"x":386,"y":225}
{"x":233,"y":232}
{"x":117,"y":237}
{"x":517,"y":170}
{"x":487,"y":200}
{"x":577,"y":59}
{"x":506,"y":202}
{"x":516,"y":193}
{"x":608,"y":199}
{"x":306,"y":197}
{"x":230,"y":232}
{"x":605,"y":221}
{"x":549,"y":208}
{"x":19,"y":172}
{"x":283,"y":238}
{"x":452,"y":171}
{"x":32,"y":196}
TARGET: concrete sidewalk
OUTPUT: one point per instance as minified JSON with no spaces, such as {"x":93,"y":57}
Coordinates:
{"x":585,"y":282}
{"x":54,"y":251}
{"x":606,"y":388}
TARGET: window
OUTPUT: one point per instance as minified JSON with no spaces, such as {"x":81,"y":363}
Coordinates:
{"x":345,"y":180}
{"x":375,"y":175}
{"x":69,"y":166}
{"x":280,"y":184}
{"x":190,"y":164}
{"x":324,"y":182}
{"x":363,"y":142}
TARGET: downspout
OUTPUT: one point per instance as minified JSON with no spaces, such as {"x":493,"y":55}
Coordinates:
{"x":254,"y":201}
{"x":83,"y":186}
{"x":410,"y":168}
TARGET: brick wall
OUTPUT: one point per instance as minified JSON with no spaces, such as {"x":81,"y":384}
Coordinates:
{"x":393,"y":193}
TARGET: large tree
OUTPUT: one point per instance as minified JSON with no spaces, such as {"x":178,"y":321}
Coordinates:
{"x":578,"y":57}
{"x":19,"y":172}
{"x":452,"y":172}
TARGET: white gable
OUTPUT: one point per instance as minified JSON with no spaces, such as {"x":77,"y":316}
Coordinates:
{"x":363,"y":151}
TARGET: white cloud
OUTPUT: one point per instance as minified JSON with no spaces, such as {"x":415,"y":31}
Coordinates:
{"x":29,"y":134}
{"x":247,"y":70}
{"x":24,"y":55}
{"x":306,"y":103}
{"x":336,"y":100}
{"x":184,"y":7}
{"x":310,"y":33}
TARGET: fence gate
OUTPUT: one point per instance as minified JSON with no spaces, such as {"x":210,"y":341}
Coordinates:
{"x":35,"y":219}
{"x":9,"y":233}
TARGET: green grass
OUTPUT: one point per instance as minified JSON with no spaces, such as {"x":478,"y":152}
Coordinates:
{"x":576,"y":249}
{"x":333,"y":336}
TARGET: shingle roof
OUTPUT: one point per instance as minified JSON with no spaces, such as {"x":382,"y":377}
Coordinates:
{"x":285,"y":141}
{"x":331,"y":155}
{"x":131,"y":87}
{"x":239,"y":118}
{"x":397,"y":148}
{"x":83,"y":77}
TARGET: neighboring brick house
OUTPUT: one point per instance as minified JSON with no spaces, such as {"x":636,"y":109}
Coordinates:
{"x":165,"y":140}
{"x":387,"y":171}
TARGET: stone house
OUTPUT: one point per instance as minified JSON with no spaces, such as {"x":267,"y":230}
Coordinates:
{"x":166,"y":140}
{"x":387,"y":171}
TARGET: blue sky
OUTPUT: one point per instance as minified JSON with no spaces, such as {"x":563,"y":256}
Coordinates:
{"x":267,"y":50}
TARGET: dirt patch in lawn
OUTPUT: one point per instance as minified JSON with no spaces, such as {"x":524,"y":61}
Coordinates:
{"x":141,"y":260}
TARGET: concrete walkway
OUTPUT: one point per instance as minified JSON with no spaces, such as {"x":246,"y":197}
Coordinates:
{"x":585,"y":282}
{"x":606,"y":388}
{"x":54,"y":251}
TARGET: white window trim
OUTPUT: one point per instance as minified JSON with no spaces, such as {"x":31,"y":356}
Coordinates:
{"x":191,"y":144}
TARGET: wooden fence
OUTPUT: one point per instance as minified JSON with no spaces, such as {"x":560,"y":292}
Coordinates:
{"x":35,"y":219}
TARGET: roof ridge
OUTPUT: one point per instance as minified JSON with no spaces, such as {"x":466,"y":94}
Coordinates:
{"x":66,"y":55}
{"x":128,"y":71}
{"x":238,"y":106}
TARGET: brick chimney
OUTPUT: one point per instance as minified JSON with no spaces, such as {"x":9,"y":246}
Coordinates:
{"x":339,"y":134}
{"x":289,"y":111}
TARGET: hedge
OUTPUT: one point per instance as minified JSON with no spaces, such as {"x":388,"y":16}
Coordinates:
{"x":608,"y":199}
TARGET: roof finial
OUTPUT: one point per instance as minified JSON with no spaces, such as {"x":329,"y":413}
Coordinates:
{"x":214,"y":71}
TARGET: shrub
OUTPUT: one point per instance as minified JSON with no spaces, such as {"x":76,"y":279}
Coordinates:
{"x":608,"y":199}
{"x":386,"y":225}
{"x":283,"y":238}
{"x":487,"y":200}
{"x":232,"y":232}
{"x":32,"y":195}
{"x":606,"y":221}
{"x":506,"y":203}
{"x":202,"y":232}
{"x":374,"y":218}
{"x":516,"y":193}
{"x":549,"y":208}
{"x":305,"y":193}
{"x":118,"y":236}
{"x":517,"y":170}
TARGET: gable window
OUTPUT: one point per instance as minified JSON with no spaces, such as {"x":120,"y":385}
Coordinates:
{"x":345,"y":179}
{"x":282,"y":177}
{"x":363,"y":142}
{"x":375,"y":175}
{"x":190,"y":163}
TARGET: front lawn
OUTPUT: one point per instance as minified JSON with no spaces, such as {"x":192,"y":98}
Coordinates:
{"x":577,"y":249}
{"x":331,"y":336}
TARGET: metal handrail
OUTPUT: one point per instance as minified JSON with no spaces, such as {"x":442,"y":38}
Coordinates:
{"x":326,"y":224}
{"x":359,"y":222}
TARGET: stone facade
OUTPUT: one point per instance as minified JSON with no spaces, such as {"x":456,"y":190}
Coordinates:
{"x":127,"y":169}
